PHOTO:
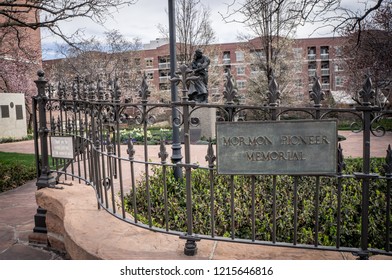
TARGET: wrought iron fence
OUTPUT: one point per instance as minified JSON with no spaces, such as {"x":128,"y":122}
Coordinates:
{"x":337,"y":212}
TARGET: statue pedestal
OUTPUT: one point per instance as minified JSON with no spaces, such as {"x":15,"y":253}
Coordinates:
{"x":207,"y":121}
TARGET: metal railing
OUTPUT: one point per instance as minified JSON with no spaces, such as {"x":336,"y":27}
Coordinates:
{"x":285,"y":211}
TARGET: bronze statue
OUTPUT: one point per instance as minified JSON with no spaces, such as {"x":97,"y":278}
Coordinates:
{"x":198,"y":90}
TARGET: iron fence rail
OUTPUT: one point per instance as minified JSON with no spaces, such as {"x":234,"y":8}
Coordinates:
{"x":126,"y":186}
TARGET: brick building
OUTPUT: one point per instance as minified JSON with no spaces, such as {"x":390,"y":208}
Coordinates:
{"x":20,"y":59}
{"x":321,"y":56}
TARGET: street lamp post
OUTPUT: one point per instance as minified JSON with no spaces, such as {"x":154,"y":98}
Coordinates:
{"x":176,"y":145}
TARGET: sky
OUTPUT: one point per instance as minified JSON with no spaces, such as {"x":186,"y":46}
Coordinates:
{"x":141,"y":20}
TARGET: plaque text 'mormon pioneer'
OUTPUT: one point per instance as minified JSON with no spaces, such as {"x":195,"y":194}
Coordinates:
{"x":282,"y":147}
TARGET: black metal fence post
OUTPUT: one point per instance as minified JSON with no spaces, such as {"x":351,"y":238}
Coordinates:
{"x":187,"y":76}
{"x":176,"y":144}
{"x":45,"y":178}
{"x":366,"y":94}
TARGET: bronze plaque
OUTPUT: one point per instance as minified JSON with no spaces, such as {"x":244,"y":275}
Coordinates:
{"x":19,"y":112}
{"x":277,"y":148}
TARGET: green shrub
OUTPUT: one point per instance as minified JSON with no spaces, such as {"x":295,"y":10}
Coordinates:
{"x":15,"y":170}
{"x":154,"y":135}
{"x":328,"y":201}
{"x":14,"y":175}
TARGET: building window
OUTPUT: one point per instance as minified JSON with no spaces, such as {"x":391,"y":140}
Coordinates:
{"x":164,"y":77}
{"x":325,"y":83}
{"x":312,"y":68}
{"x":240,"y":70}
{"x":239,"y":56}
{"x":257,"y":55}
{"x":325,"y":68}
{"x":226,"y":58}
{"x":150,"y":75}
{"x":312,"y":53}
{"x":241,"y":84}
{"x":338,"y":68}
{"x":324,"y":53}
{"x":164,"y":62}
{"x":5,"y":111}
{"x":149,"y":62}
{"x":19,"y":112}
{"x":339,"y":81}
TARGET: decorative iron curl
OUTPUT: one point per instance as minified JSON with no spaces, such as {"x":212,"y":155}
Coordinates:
{"x":179,"y":120}
{"x":142,"y":117}
{"x":194,"y":122}
{"x":376,"y":130}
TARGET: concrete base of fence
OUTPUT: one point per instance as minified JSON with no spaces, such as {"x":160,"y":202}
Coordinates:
{"x":76,"y":226}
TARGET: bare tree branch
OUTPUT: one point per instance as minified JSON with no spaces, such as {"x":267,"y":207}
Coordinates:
{"x":48,"y":14}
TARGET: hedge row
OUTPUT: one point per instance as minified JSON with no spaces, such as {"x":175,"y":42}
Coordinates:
{"x":328,"y":201}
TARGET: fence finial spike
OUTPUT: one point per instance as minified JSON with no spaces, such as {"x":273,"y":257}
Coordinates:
{"x":230,"y":90}
{"x":163,"y":154}
{"x":130,"y":150}
{"x":144,"y":92}
{"x":273,"y":93}
{"x":210,"y":157}
{"x":316,"y":94}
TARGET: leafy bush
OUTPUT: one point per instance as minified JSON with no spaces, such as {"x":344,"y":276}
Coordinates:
{"x":14,"y":175}
{"x":154,"y":135}
{"x":242,"y":197}
{"x":16,"y":169}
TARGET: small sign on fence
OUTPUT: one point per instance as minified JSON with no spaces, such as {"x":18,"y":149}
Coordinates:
{"x":277,"y":148}
{"x":62,"y":147}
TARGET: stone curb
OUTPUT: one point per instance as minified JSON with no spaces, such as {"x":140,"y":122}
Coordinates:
{"x":88,"y":233}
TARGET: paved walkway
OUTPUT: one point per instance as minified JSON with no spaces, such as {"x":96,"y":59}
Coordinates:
{"x":18,"y":206}
{"x":17,"y":210}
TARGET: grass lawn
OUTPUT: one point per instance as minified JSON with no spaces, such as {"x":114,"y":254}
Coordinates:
{"x":24,"y":159}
